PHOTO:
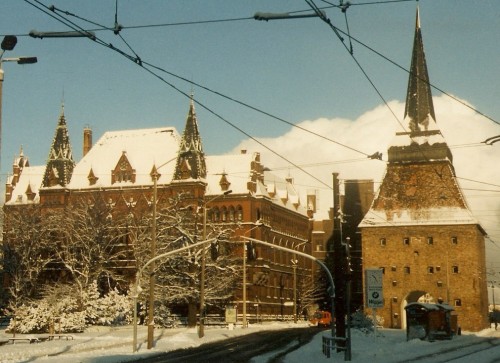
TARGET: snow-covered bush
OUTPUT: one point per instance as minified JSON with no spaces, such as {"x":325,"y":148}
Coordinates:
{"x":64,"y":310}
{"x":363,"y":322}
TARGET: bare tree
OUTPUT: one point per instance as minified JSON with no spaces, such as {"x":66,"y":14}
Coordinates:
{"x":26,"y":255}
{"x":179,"y":224}
{"x":89,"y":244}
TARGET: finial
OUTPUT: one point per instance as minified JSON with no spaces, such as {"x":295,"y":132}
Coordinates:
{"x":418,"y":17}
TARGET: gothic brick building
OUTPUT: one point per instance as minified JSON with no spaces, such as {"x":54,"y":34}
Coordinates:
{"x":419,"y":229}
{"x":123,"y":168}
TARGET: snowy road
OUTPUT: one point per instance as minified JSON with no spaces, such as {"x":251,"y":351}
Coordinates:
{"x":272,"y":344}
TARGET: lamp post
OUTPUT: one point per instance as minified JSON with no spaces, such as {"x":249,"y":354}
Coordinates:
{"x":258,"y":223}
{"x":152,"y":280}
{"x":8,"y":43}
{"x":294,"y":266}
{"x":201,"y":327}
{"x":137,"y":286}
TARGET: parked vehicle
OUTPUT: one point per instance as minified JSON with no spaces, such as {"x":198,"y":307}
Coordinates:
{"x":321,"y":319}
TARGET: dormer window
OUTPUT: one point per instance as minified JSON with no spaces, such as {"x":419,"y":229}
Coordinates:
{"x":224,"y":183}
{"x":30,"y":194}
{"x":92,"y":178}
{"x":123,"y":171}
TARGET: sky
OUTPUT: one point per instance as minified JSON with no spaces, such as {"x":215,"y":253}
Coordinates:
{"x":295,"y":70}
{"x":114,"y":344}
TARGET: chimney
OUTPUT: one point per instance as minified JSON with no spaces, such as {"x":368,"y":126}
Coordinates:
{"x":87,"y":140}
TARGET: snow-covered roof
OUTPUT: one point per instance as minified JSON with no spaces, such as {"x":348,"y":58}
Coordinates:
{"x":31,"y":176}
{"x":428,"y":306}
{"x":236,"y":167}
{"x":420,"y":138}
{"x":143,"y":148}
{"x":428,"y":216}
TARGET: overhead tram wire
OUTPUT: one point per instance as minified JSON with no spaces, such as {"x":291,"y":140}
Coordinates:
{"x":343,"y":7}
{"x":137,"y":59}
{"x":337,"y":31}
{"x":141,"y":64}
{"x":408,"y":71}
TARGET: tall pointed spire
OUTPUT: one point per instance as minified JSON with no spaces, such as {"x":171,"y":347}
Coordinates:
{"x":424,"y":142}
{"x":60,"y":163}
{"x":419,"y":107}
{"x":191,"y":158}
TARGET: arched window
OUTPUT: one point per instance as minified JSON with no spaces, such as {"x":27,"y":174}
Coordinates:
{"x":239,"y":213}
{"x":223,"y":214}
{"x":216,"y":214}
{"x":231,"y":214}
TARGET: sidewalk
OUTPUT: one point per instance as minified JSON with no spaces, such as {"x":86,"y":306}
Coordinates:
{"x":115,"y":343}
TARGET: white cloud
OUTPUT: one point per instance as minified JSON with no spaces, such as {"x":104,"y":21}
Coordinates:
{"x":463,"y":129}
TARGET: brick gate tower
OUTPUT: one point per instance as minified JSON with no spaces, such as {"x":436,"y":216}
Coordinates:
{"x":419,"y":229}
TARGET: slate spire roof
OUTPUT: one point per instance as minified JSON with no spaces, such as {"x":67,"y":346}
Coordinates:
{"x":191,"y":158}
{"x":424,"y":141}
{"x":60,"y":163}
{"x":419,"y":186}
{"x":419,"y":107}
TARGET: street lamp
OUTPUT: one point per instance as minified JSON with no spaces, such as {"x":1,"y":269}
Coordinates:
{"x":137,"y":286}
{"x":258,"y":223}
{"x":201,"y":328}
{"x":294,"y":262}
{"x":8,"y":43}
{"x":152,"y":281}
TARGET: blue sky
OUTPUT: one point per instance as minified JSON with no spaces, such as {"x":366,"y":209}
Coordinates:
{"x":294,"y":69}
{"x":297,"y":70}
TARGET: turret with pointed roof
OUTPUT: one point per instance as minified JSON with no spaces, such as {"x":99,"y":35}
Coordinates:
{"x":60,"y":163}
{"x":191,"y":159}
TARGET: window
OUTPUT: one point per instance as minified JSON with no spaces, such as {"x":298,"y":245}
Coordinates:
{"x":382,"y":242}
{"x":454,"y":269}
{"x":395,"y":299}
{"x":406,"y":241}
{"x":430,"y":240}
{"x":393,"y":268}
{"x":458,"y":302}
{"x":239,"y":213}
{"x":440,"y":284}
{"x":438,"y":268}
{"x":454,"y":240}
{"x":394,"y":283}
{"x":407,"y":270}
{"x":430,"y":269}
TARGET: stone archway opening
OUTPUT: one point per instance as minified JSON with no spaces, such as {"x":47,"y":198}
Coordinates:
{"x":414,"y":296}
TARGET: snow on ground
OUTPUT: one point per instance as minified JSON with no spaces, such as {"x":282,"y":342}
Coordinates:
{"x":108,"y":345}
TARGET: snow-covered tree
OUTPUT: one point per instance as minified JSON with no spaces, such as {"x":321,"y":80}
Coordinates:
{"x":89,"y":244}
{"x":180,"y":223}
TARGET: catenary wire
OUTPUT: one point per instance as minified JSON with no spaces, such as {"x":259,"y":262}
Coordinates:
{"x":137,"y":60}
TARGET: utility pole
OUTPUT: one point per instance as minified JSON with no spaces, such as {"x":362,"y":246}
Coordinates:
{"x":339,"y":267}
